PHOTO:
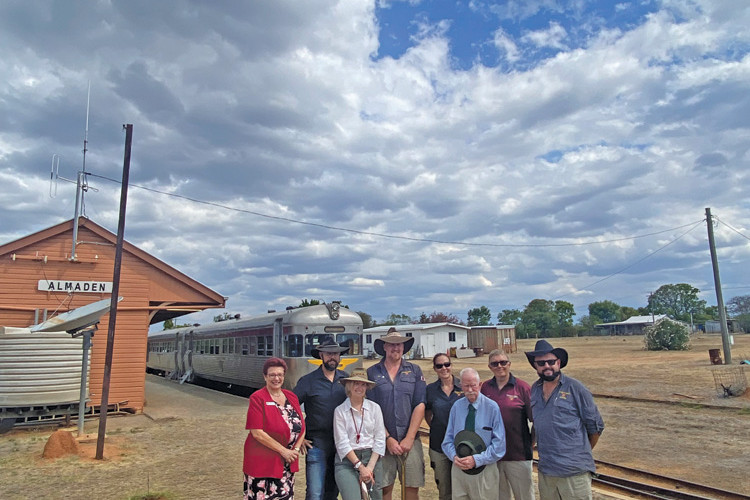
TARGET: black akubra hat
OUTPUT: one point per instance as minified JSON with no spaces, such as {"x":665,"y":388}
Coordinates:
{"x":393,"y":337}
{"x":328,"y":345}
{"x":469,"y":443}
{"x":543,"y":347}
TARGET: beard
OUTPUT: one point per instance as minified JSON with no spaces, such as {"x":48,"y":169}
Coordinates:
{"x":331,"y":365}
{"x":549,"y":378}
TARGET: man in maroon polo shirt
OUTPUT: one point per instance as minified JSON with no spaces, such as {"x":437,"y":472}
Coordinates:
{"x":513,"y":396}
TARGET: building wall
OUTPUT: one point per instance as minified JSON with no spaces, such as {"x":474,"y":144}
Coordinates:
{"x":440,"y":337}
{"x":141,"y":285}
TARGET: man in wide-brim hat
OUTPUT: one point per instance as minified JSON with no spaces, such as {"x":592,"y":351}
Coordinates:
{"x":321,"y":392}
{"x":567,"y":424}
{"x":400,"y":392}
{"x":474,"y":438}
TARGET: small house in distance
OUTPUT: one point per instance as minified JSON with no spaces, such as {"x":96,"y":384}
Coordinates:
{"x":634,"y":325}
{"x":429,"y":338}
{"x":491,"y":337}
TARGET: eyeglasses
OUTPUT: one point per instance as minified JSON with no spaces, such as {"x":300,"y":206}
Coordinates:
{"x":548,"y":362}
{"x":502,"y":362}
{"x":438,"y":366}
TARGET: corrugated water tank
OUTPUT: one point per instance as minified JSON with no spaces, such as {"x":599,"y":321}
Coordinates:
{"x":39,"y":368}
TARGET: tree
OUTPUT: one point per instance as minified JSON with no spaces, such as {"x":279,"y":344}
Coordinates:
{"x":439,"y":317}
{"x":224,"y":316}
{"x":739,"y":305}
{"x":509,"y":317}
{"x":628,"y":312}
{"x":667,"y":335}
{"x":676,"y":301}
{"x":539,"y":318}
{"x":308,"y":303}
{"x":565,"y":313}
{"x":367,"y":321}
{"x":606,"y":311}
{"x":397,"y":319}
{"x":479,"y":316}
{"x":169,"y":324}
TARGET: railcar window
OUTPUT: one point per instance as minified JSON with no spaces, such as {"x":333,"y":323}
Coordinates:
{"x":314,"y":341}
{"x":352,"y":341}
{"x":269,"y":345}
{"x":245,"y":346}
{"x":253,"y":346}
{"x":261,"y":346}
{"x":293,"y":346}
{"x":231,"y":346}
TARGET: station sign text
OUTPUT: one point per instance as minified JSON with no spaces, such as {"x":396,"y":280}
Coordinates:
{"x":75,"y":286}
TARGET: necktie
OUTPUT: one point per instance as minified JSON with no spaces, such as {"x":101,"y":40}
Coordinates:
{"x":470,"y":417}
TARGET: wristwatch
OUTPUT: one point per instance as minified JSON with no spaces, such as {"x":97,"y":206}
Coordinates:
{"x":358,"y":465}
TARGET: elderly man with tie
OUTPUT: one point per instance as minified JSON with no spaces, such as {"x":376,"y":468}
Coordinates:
{"x":474,"y":439}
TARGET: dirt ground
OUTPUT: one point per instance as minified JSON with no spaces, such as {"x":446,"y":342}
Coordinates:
{"x":189,"y":440}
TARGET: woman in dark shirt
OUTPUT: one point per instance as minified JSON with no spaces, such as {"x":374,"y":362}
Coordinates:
{"x":441,"y":395}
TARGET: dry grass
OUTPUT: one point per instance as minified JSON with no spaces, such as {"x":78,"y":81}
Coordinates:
{"x":191,"y":446}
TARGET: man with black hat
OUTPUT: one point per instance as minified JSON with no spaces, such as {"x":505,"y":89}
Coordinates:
{"x":321,"y":392}
{"x":567,"y":424}
{"x":400,"y":392}
{"x":475,"y":438}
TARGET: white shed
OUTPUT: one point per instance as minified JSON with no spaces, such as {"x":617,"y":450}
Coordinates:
{"x":429,"y":338}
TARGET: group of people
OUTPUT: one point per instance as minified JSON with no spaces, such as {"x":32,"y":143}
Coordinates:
{"x":360,"y":431}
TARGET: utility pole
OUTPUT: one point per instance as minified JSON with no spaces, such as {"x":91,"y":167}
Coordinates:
{"x":717,"y":285}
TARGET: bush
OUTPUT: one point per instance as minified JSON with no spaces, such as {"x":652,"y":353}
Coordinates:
{"x":667,"y":335}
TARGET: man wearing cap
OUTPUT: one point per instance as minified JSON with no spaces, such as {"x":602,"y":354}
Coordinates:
{"x":320,"y":392}
{"x":475,"y":438}
{"x":567,"y":424}
{"x":400,"y":392}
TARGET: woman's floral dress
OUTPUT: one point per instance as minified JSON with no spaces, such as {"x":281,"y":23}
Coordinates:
{"x":270,"y":488}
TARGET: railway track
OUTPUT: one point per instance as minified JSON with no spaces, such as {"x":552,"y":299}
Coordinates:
{"x":626,"y":482}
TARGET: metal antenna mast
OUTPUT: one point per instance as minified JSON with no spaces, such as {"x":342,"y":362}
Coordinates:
{"x":81,"y":186}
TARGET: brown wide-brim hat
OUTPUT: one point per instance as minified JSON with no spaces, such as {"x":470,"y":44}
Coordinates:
{"x":393,"y":337}
{"x":358,"y":375}
{"x":328,"y":345}
{"x":543,"y":347}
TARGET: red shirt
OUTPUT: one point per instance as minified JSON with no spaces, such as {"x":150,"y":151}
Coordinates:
{"x":262,"y":413}
{"x":514,"y":400}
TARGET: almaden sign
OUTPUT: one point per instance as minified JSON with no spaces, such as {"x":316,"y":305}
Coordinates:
{"x":75,"y":286}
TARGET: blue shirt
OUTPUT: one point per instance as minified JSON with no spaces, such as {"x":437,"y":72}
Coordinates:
{"x":320,"y":397}
{"x":563,"y":424}
{"x":488,"y":423}
{"x":397,"y":398}
{"x":440,"y":405}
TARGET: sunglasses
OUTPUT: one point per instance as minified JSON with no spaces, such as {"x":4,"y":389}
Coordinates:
{"x":495,"y":364}
{"x":442,"y":365}
{"x":548,"y":362}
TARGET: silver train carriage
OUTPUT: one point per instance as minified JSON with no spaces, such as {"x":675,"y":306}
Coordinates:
{"x":233,"y":351}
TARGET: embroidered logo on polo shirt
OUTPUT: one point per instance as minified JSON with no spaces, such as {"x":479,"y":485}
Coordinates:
{"x":564,"y":395}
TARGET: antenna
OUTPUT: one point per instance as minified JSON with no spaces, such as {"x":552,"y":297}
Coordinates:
{"x":81,"y":185}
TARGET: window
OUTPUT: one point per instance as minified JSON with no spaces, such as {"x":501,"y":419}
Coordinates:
{"x":293,"y":346}
{"x":244,"y":342}
{"x":224,"y":346}
{"x":451,"y":336}
{"x":408,"y":334}
{"x":269,"y":345}
{"x":352,"y":340}
{"x":253,"y":346}
{"x":368,"y":339}
{"x":261,"y":345}
{"x":314,"y":341}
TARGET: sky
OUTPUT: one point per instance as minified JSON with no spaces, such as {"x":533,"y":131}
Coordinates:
{"x":399,"y":156}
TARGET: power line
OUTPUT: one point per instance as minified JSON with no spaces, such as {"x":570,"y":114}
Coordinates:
{"x":396,"y":237}
{"x":730,"y":227}
{"x":651,"y":254}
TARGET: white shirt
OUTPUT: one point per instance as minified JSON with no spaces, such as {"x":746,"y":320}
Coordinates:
{"x":346,"y":423}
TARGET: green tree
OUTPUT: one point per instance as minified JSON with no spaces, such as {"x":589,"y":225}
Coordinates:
{"x":509,"y":317}
{"x":539,"y":318}
{"x":676,"y":301}
{"x":398,"y":319}
{"x":667,"y":335}
{"x":367,"y":321}
{"x":565,"y":313}
{"x":606,"y":311}
{"x":628,"y":312}
{"x":224,"y":316}
{"x":308,"y":303}
{"x":479,"y":316}
{"x":169,"y":324}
